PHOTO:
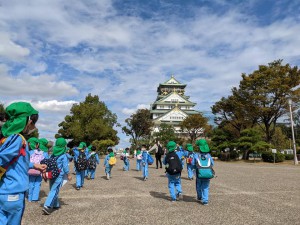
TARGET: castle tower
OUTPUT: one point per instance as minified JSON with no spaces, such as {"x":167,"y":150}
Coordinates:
{"x":172,"y":106}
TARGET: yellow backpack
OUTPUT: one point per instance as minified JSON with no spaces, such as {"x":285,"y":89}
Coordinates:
{"x":112,"y":161}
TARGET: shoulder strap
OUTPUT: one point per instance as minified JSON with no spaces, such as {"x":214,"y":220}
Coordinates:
{"x":22,"y":152}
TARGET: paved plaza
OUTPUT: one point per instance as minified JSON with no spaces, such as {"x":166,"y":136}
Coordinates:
{"x":242,"y":193}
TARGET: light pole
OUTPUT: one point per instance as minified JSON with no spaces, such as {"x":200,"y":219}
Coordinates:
{"x":293,"y":135}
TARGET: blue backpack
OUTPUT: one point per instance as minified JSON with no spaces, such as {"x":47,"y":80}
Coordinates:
{"x":204,"y":168}
{"x":150,"y":159}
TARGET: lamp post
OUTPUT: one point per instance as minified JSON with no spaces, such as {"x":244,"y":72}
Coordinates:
{"x":293,"y":135}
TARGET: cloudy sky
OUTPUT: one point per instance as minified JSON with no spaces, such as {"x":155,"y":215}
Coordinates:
{"x":53,"y":53}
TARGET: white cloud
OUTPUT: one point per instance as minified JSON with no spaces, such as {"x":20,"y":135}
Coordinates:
{"x":42,"y":86}
{"x":53,"y":106}
{"x":11,"y":50}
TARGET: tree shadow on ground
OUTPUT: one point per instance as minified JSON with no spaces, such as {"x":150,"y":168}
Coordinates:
{"x":159,"y":195}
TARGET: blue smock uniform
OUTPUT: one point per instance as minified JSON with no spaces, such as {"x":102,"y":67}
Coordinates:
{"x":145,"y":164}
{"x":79,"y":174}
{"x":91,"y":172}
{"x":15,"y":181}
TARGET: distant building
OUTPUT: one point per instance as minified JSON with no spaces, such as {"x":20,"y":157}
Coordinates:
{"x":171,"y":106}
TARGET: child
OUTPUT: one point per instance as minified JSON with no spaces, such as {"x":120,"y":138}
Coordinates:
{"x":80,"y":161}
{"x":43,"y":143}
{"x":21,"y":118}
{"x":181,"y":153}
{"x":145,"y":162}
{"x":59,"y":151}
{"x":35,"y":178}
{"x":202,"y":185}
{"x":173,"y":170}
{"x":108,"y":162}
{"x":125,"y":156}
{"x":139,"y":157}
{"x":93,"y":161}
{"x":189,"y":155}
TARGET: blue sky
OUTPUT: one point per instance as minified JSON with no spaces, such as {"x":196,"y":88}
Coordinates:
{"x":53,"y":53}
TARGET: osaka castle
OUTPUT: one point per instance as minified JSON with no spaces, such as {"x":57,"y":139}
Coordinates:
{"x":171,"y":106}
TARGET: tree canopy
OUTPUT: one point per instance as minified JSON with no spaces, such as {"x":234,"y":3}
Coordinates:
{"x":138,"y":126}
{"x":195,"y":125}
{"x":261,"y":98}
{"x":165,"y":134}
{"x":88,"y":121}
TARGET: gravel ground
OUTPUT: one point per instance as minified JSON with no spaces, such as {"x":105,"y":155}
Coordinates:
{"x":242,"y":193}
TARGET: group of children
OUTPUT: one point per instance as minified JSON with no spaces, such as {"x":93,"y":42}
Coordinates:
{"x":24,"y":164}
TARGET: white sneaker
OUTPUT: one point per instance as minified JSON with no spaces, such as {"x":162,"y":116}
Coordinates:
{"x":107,"y":176}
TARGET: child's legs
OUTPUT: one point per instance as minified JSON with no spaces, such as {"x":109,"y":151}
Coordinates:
{"x":205,"y":189}
{"x":82,"y":174}
{"x":171,"y":187}
{"x":198,"y":188}
{"x":36,"y":188}
{"x":138,"y":165}
{"x":93,"y":173}
{"x":190,"y":171}
{"x":145,"y":170}
{"x":31,"y":186}
{"x":54,"y":191}
{"x":128,"y":165}
{"x":11,"y":212}
{"x":177,"y":182}
{"x":78,"y":178}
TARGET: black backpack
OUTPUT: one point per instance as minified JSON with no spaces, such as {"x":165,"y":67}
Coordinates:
{"x":173,"y":163}
{"x":52,"y":170}
{"x":160,"y":150}
{"x":81,"y":163}
{"x":92,"y":162}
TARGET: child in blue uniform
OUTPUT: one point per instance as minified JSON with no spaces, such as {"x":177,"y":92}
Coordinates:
{"x":125,"y":155}
{"x":202,"y":185}
{"x":145,"y":162}
{"x":189,"y":155}
{"x":139,"y":158}
{"x":14,"y":156}
{"x":35,"y":178}
{"x":52,"y":201}
{"x":107,"y":166}
{"x":93,"y":159}
{"x":80,"y":174}
{"x":173,"y":169}
{"x":181,"y":153}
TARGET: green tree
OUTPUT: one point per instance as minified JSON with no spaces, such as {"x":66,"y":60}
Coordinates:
{"x":280,"y":140}
{"x":261,"y":97}
{"x":102,"y":145}
{"x":195,"y":125}
{"x":138,"y":126}
{"x":88,"y":121}
{"x":165,"y":134}
{"x":251,"y":140}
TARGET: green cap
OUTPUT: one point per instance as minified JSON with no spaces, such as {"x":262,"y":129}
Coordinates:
{"x":60,"y":146}
{"x":90,"y":148}
{"x":189,"y":147}
{"x":138,"y":152}
{"x":17,"y":113}
{"x":43,"y":144}
{"x":33,"y":141}
{"x":203,"y":146}
{"x":171,"y":146}
{"x":111,"y":154}
{"x":82,"y":145}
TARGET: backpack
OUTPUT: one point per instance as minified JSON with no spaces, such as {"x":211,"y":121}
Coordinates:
{"x":190,"y":158}
{"x":150,"y":159}
{"x":52,"y":170}
{"x":160,"y":150}
{"x":112,"y":161}
{"x":204,"y":168}
{"x":81,"y":163}
{"x":173,"y":163}
{"x":36,"y":158}
{"x":92,"y":162}
{"x":139,"y":156}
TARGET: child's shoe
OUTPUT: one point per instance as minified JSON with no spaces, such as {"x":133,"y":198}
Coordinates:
{"x":47,"y":210}
{"x":107,"y":176}
{"x":179,"y":197}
